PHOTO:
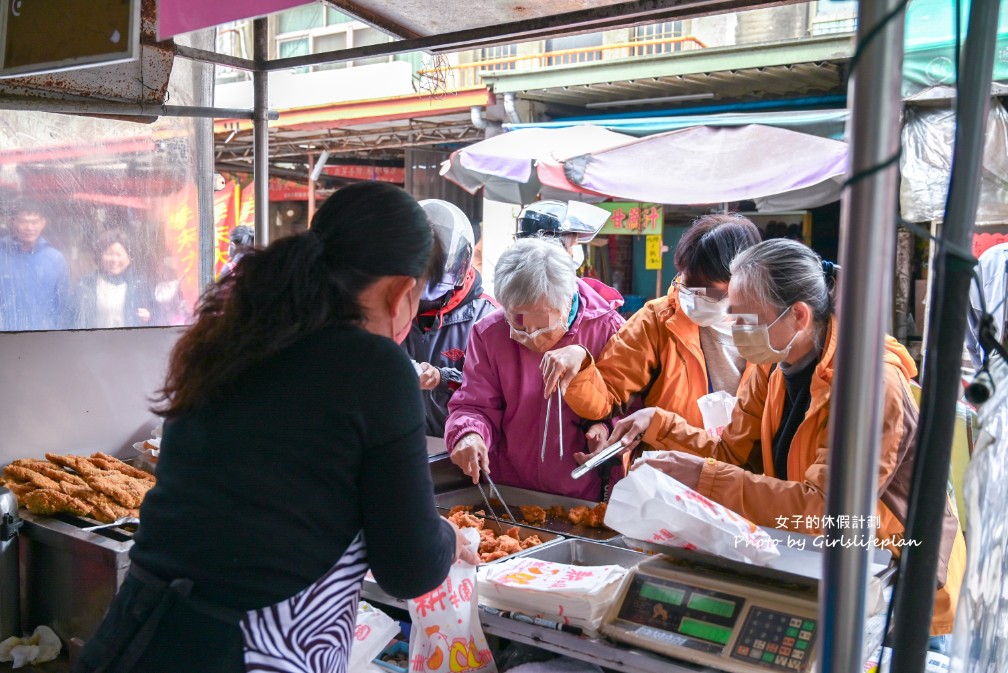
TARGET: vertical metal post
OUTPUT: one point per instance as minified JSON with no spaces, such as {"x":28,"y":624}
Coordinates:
{"x":260,"y":106}
{"x":866,"y":256}
{"x":205,"y":199}
{"x":311,"y":187}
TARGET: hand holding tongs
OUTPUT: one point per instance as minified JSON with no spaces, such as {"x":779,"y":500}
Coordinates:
{"x":549,"y":404}
{"x":495,"y":493}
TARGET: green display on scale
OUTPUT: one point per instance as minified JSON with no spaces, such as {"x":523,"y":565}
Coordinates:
{"x":711,"y":605}
{"x":711,"y":632}
{"x":657,"y":592}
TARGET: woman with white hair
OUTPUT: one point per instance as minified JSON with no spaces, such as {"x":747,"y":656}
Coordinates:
{"x":499,"y":421}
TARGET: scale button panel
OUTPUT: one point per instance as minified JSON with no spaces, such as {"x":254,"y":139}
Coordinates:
{"x":775,"y":640}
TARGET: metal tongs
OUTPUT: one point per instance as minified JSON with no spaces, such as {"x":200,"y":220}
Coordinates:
{"x":124,"y":521}
{"x":549,"y":404}
{"x":494,"y":493}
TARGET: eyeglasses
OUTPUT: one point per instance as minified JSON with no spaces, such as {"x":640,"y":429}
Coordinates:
{"x":519,"y":322}
{"x":707,"y":294}
{"x":753,"y":320}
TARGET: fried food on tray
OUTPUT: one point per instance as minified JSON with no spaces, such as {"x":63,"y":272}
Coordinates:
{"x":106,"y":462}
{"x":596,"y":519}
{"x":101,"y":487}
{"x":31,"y":476}
{"x":492,"y":546}
{"x":78,"y":464}
{"x":47,"y":502}
{"x":124,"y":490}
{"x":558,"y":511}
{"x":533,"y":514}
{"x":578,"y":515}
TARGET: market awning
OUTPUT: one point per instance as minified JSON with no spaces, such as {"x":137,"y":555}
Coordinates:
{"x":710,"y":165}
{"x":506,"y":165}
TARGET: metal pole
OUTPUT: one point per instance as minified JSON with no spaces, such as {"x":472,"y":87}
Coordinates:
{"x":950,"y":287}
{"x":311,"y":187}
{"x":260,"y":105}
{"x":866,"y":255}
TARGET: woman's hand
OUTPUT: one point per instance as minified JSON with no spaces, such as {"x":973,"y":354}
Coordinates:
{"x":631,"y":428}
{"x":598,"y":439}
{"x":683,"y":467}
{"x":430,"y":376}
{"x":470,"y":454}
{"x":463,"y":552}
{"x":560,"y":366}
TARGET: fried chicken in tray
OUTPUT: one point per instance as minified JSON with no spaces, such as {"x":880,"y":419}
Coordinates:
{"x":492,"y":546}
{"x":101,"y":486}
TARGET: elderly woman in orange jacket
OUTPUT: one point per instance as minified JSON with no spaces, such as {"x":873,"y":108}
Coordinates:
{"x":781,"y":294}
{"x":674,"y":350}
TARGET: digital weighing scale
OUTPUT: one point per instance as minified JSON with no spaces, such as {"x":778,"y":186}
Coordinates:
{"x":730,"y":615}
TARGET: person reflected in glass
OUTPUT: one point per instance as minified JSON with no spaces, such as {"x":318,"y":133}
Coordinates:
{"x":34,"y":276}
{"x":115,"y":295}
{"x":242,"y":241}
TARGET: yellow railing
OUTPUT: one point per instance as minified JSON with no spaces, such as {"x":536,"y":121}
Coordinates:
{"x":464,"y":75}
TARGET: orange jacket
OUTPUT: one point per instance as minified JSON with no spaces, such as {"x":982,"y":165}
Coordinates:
{"x":797,"y":500}
{"x":656,"y":352}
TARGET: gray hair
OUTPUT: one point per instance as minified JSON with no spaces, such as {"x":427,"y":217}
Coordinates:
{"x":780,"y":272}
{"x":533,"y":269}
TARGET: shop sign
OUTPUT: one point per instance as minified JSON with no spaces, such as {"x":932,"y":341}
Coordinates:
{"x":632,"y":217}
{"x":653,"y":250}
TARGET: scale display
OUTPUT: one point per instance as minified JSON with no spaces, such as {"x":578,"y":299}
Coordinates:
{"x":730,"y":626}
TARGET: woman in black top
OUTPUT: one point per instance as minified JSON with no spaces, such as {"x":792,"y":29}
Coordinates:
{"x":293,"y":457}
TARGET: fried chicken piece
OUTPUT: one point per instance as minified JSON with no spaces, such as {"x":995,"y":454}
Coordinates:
{"x":596,"y":518}
{"x":508,"y":544}
{"x":533,"y":514}
{"x":106,"y":462}
{"x":466,"y":520}
{"x":103,"y":508}
{"x":19,"y":488}
{"x":78,"y":464}
{"x":530,"y":541}
{"x":46,"y":502}
{"x":31,"y":476}
{"x":126,"y":491}
{"x":54,"y":472}
{"x":492,"y":556}
{"x":488,"y":540}
{"x":558,"y":511}
{"x":512,"y":531}
{"x":578,"y":515}
{"x":459,"y":508}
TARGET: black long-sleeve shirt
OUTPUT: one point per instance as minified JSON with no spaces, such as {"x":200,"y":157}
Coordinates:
{"x":260,"y":493}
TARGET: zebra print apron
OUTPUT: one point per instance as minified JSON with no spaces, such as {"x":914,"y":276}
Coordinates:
{"x":312,"y":631}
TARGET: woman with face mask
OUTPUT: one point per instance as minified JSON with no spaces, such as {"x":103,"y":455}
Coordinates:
{"x":499,"y":421}
{"x":781,"y":296}
{"x":115,"y":295}
{"x":674,"y":350}
{"x":294,"y":434}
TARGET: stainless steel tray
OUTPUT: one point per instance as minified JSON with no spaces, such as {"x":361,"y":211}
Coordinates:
{"x":586,"y":553}
{"x":515,"y":497}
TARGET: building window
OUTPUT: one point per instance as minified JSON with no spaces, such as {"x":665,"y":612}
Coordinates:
{"x":310,"y":30}
{"x":655,"y":35}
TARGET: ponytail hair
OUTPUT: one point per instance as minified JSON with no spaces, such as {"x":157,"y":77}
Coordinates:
{"x":296,"y":286}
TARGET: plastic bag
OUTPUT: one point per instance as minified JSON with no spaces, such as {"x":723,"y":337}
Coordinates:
{"x":373,"y":631}
{"x":716,"y":409}
{"x":652,"y":506}
{"x":446,"y":636}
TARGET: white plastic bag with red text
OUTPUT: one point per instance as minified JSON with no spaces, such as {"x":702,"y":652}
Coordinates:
{"x":652,"y":506}
{"x":446,"y":635}
{"x":372,"y":632}
{"x":716,"y":409}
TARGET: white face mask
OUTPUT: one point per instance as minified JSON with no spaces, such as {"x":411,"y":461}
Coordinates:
{"x":753,"y":342}
{"x":701,"y":310}
{"x":577,"y":252}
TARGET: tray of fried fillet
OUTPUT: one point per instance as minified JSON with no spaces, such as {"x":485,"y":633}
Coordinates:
{"x":98,"y":487}
{"x":570,"y":517}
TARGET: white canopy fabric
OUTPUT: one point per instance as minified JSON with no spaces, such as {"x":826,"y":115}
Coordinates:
{"x":710,"y":165}
{"x":504,"y":165}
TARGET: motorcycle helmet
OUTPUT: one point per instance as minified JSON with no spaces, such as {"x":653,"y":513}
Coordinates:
{"x":454,"y":234}
{"x":556,"y":218}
